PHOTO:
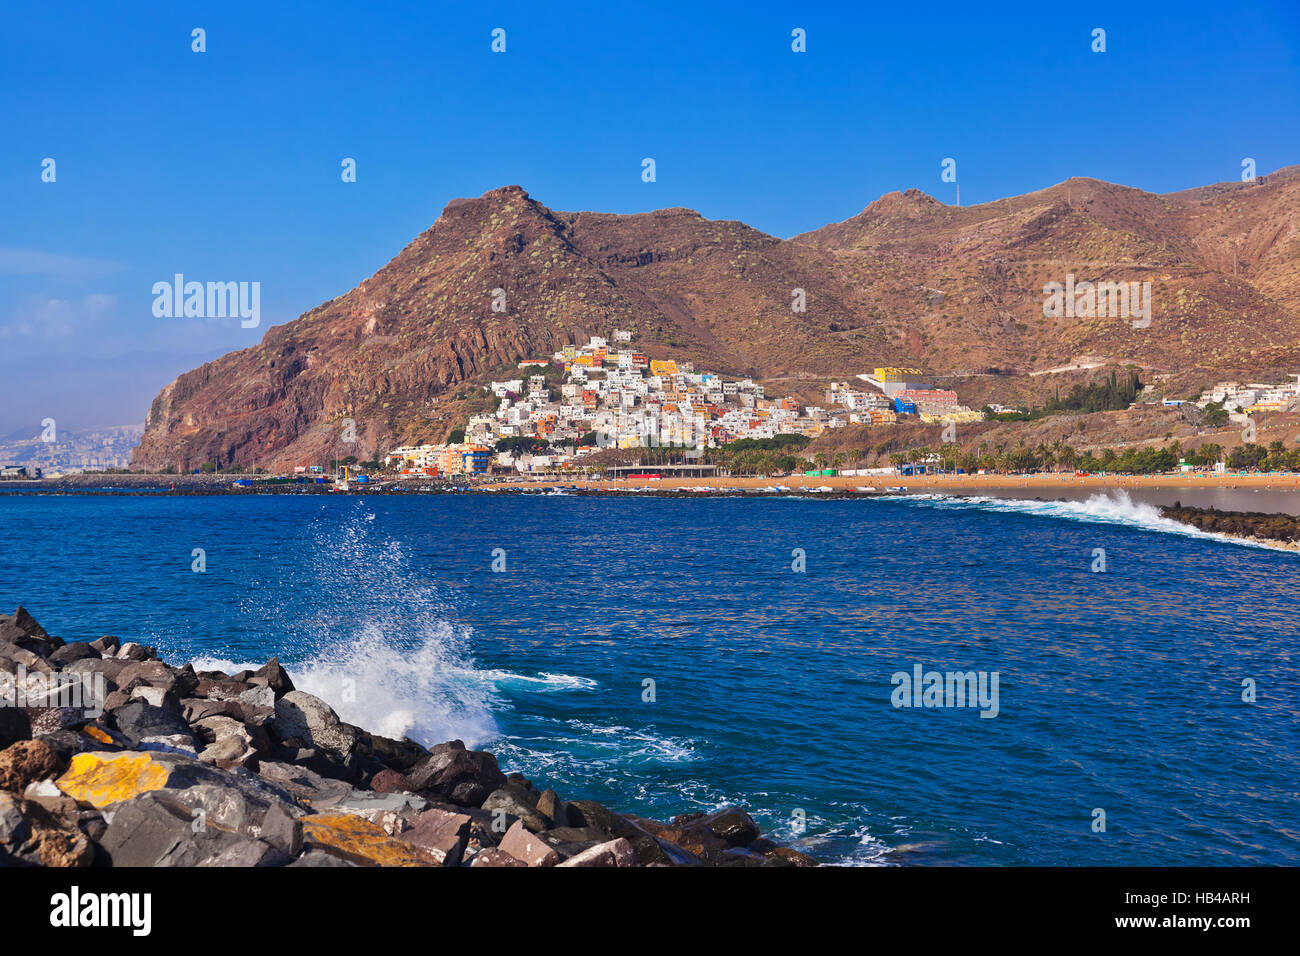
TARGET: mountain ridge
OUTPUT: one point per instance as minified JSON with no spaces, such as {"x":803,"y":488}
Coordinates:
{"x":908,"y":280}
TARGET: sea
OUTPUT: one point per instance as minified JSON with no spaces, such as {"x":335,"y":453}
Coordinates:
{"x":1140,"y":679}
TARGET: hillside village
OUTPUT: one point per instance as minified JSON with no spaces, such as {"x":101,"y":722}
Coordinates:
{"x":562,"y":412}
{"x":597,"y":395}
{"x":602,"y":395}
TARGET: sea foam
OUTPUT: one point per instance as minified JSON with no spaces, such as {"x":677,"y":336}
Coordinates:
{"x":1115,"y":508}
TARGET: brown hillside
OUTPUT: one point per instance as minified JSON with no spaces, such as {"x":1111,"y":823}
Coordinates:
{"x":955,"y":291}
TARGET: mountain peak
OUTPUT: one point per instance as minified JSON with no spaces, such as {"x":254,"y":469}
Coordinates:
{"x":895,"y":202}
{"x":502,"y":195}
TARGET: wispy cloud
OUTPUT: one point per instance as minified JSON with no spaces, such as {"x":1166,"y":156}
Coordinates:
{"x":57,"y":318}
{"x":31,"y":262}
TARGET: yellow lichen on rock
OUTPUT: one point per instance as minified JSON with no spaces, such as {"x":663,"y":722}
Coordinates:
{"x":98,"y":733}
{"x":101,"y":779}
{"x":361,"y":841}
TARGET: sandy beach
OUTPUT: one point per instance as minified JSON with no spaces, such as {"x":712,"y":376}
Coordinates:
{"x":969,"y":483}
{"x":1227,"y":492}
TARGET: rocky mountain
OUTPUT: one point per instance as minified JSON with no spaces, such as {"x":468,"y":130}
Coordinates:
{"x":956,"y":291}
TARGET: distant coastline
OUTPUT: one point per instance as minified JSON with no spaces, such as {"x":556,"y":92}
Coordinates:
{"x":1028,"y":484}
{"x":1260,"y":508}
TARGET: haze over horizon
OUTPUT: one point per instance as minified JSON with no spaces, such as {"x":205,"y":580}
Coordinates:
{"x":225,"y":165}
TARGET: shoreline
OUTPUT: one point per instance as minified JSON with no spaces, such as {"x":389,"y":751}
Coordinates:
{"x":111,"y":757}
{"x":973,"y":483}
{"x":263,"y":483}
{"x":1222,"y":496}
{"x":1269,"y":493}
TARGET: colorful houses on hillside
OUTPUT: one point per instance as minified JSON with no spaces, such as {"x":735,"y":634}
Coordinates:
{"x":1253,"y":397}
{"x":600,"y":395}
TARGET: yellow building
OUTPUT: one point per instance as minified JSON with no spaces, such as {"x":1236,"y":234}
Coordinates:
{"x":663,"y":367}
{"x":897,"y":374}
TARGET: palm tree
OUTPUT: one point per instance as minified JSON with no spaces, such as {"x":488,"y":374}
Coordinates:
{"x":1044,"y":456}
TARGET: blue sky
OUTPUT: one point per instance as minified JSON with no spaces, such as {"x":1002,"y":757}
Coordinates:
{"x":225,"y":165}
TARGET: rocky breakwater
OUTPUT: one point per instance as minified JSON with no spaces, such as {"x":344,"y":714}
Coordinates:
{"x":1278,"y":530}
{"x":111,"y":757}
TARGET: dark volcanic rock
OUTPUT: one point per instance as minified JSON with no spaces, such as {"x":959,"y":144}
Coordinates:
{"x":697,"y":840}
{"x":21,"y":630}
{"x":552,"y":807}
{"x":589,"y":813}
{"x":51,"y":720}
{"x":464,"y":777}
{"x":73,"y":652}
{"x":651,"y":851}
{"x":154,"y":830}
{"x":272,"y":675}
{"x":1242,"y":524}
{"x":146,"y":673}
{"x":570,"y":841}
{"x":106,"y":645}
{"x":302,"y":782}
{"x":15,"y":725}
{"x":792,"y":857}
{"x":731,"y":824}
{"x":518,"y":801}
{"x":282,"y":829}
{"x":140,"y":721}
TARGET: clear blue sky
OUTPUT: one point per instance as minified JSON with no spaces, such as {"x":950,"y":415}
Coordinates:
{"x":225,"y":165}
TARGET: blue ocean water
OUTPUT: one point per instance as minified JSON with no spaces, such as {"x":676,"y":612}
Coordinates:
{"x":1119,"y":691}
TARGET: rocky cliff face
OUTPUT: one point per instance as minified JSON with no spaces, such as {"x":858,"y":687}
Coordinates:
{"x":909,"y":280}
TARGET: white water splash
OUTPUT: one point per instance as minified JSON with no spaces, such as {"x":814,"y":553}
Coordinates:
{"x":1115,"y":508}
{"x":361,"y":625}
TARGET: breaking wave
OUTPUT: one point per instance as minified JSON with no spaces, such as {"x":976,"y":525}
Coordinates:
{"x":1115,"y":508}
{"x":362,"y":627}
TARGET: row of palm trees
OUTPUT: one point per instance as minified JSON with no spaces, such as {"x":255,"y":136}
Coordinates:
{"x":1056,"y":456}
{"x":1046,"y":456}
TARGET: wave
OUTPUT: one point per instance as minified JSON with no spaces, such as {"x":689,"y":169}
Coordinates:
{"x":1115,"y":508}
{"x":360,"y":625}
{"x":578,"y":748}
{"x":540,"y":682}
